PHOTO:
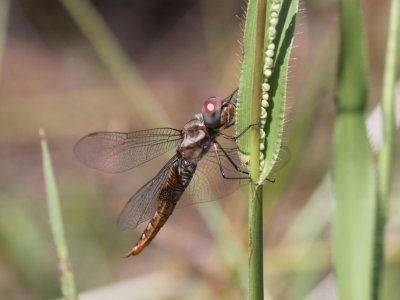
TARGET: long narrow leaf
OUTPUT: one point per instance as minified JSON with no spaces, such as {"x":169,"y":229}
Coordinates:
{"x":385,"y":158}
{"x":268,"y":97}
{"x":354,"y":186}
{"x":68,"y":287}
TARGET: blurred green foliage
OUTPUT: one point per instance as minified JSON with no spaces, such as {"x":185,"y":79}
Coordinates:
{"x":183,"y":51}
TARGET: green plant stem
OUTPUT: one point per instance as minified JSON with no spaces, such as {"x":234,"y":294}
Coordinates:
{"x":256,"y":261}
{"x":257,"y":81}
{"x":385,"y":156}
{"x":388,"y":106}
{"x":256,"y":278}
{"x":68,"y":287}
{"x":354,"y":184}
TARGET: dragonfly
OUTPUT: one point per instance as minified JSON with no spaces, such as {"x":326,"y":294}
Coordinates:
{"x":199,"y":168}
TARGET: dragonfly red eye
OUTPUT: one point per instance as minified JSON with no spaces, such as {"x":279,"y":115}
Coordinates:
{"x":210,"y":107}
{"x":212,"y":112}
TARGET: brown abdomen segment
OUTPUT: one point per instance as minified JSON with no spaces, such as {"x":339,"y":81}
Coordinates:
{"x":173,"y":189}
{"x":165,"y":209}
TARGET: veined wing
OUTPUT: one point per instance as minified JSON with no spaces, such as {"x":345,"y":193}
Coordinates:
{"x":283,"y":159}
{"x":208,"y":184}
{"x":142,"y":205}
{"x":116,"y":152}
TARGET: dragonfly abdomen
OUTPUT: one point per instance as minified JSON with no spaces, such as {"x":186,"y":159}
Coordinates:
{"x":176,"y":183}
{"x":165,"y":209}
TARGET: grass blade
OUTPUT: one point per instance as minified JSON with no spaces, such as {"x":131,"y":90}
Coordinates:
{"x":385,"y":157}
{"x":355,"y":208}
{"x":68,"y":287}
{"x":354,"y":186}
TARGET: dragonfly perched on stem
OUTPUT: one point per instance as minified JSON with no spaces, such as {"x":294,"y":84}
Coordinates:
{"x":198,"y":157}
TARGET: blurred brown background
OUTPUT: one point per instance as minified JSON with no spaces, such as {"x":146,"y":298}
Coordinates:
{"x":74,"y":67}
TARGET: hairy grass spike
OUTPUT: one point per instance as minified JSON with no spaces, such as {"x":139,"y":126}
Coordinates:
{"x":278,"y":42}
{"x":267,"y":71}
{"x":280,"y":20}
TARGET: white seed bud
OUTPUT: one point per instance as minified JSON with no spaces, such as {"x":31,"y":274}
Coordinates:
{"x":269,"y":53}
{"x":264,"y":103}
{"x":267,"y":73}
{"x":272,"y":31}
{"x":276,"y":7}
{"x":263,"y":114}
{"x":269,"y":62}
{"x":265,"y":87}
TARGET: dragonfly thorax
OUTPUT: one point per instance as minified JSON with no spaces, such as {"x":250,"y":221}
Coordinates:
{"x":196,"y":141}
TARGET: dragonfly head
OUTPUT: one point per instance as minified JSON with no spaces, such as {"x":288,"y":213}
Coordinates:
{"x":212,"y":111}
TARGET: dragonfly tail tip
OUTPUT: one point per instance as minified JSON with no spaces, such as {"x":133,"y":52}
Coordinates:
{"x":133,"y":252}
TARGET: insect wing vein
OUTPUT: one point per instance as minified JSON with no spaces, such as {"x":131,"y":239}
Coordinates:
{"x":143,"y":204}
{"x":116,"y":152}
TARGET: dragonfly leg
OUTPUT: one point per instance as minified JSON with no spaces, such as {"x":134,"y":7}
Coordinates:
{"x":216,"y":146}
{"x":270,"y":180}
{"x":234,"y":104}
{"x":235,"y":138}
{"x":233,"y":164}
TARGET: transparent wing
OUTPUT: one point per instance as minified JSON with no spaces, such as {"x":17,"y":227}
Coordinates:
{"x":283,"y":159}
{"x":208,"y":184}
{"x":142,"y":205}
{"x":115,"y":152}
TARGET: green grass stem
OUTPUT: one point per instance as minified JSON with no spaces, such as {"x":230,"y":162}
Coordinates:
{"x":250,"y":89}
{"x":256,"y":260}
{"x":68,"y":287}
{"x":354,"y":185}
{"x":385,"y":157}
